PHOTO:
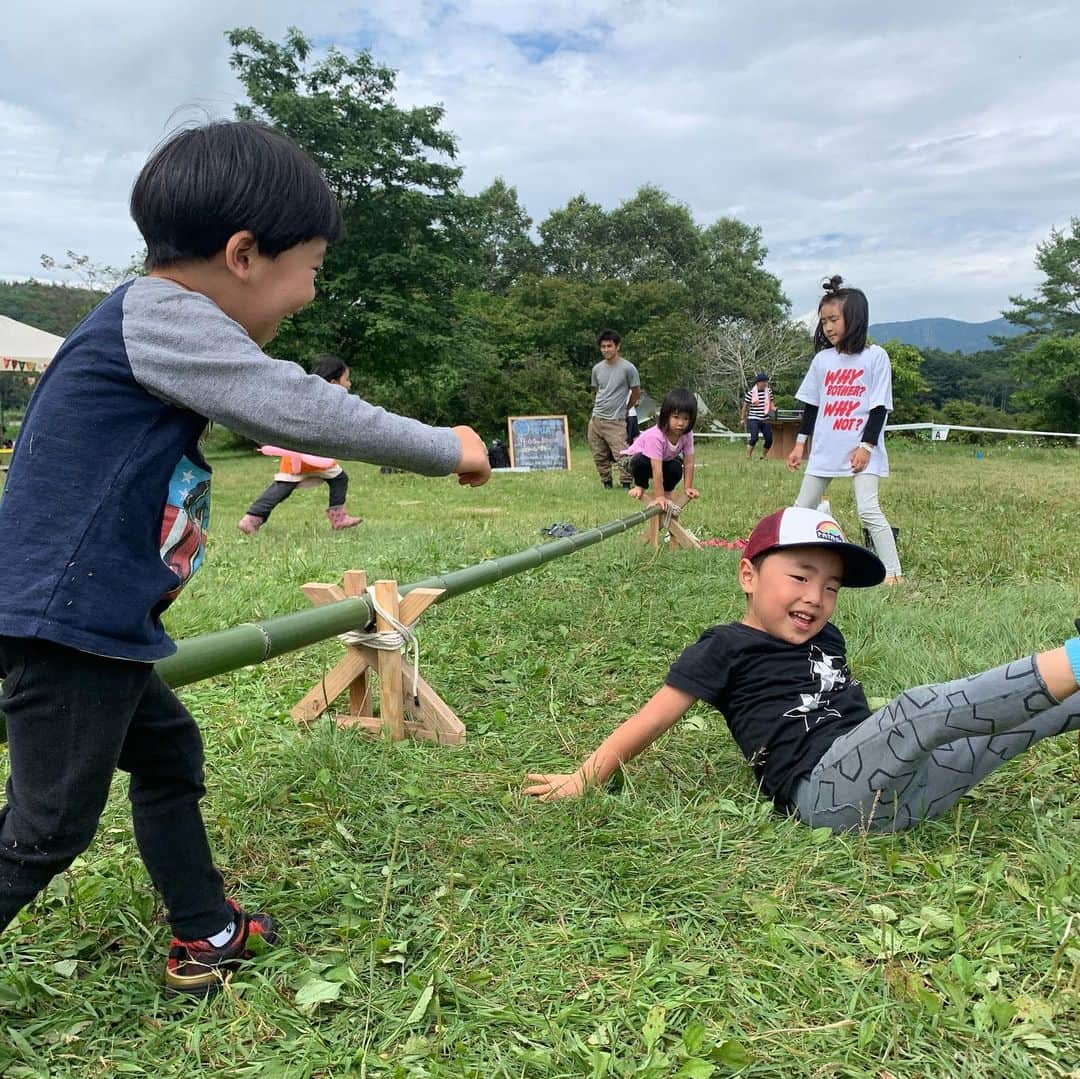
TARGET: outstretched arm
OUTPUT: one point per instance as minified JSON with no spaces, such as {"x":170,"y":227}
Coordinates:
{"x":664,"y":709}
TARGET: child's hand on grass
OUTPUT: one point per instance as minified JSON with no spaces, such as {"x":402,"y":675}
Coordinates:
{"x":550,"y":788}
{"x":692,"y":492}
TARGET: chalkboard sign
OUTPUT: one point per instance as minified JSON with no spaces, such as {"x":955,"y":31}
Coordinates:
{"x":538,"y":442}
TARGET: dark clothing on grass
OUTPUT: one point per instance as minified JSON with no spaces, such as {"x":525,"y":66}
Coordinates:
{"x":784,"y":703}
{"x":641,"y":470}
{"x":72,"y":719}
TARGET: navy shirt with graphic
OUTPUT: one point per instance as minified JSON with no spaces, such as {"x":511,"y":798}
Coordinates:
{"x":784,"y":703}
{"x":105,"y":512}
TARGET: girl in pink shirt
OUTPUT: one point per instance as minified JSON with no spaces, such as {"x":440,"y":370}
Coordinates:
{"x":665,"y":453}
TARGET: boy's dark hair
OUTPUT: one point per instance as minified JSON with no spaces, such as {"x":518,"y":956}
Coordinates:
{"x":204,"y":184}
{"x":679,"y":400}
{"x":330,"y":367}
{"x":608,"y":335}
{"x":856,"y":310}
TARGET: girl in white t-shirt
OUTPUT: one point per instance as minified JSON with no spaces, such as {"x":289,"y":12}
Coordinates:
{"x":848,"y":395}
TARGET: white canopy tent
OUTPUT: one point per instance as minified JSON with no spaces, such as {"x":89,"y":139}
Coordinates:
{"x":24,"y":349}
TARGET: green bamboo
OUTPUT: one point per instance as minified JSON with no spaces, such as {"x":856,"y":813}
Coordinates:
{"x":255,"y":642}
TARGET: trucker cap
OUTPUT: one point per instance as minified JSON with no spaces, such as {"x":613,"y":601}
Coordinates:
{"x":798,"y":527}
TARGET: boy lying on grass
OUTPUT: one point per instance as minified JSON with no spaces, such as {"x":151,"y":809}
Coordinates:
{"x":780,"y":677}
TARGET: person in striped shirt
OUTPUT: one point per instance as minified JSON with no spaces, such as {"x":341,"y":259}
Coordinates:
{"x":757,"y":410}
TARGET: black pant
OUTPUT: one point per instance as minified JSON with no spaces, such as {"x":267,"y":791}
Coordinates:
{"x":279,"y":490}
{"x":72,"y":720}
{"x":641,"y":470}
{"x":762,"y":426}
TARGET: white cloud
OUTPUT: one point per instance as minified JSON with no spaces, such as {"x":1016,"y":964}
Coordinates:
{"x":922,"y":152}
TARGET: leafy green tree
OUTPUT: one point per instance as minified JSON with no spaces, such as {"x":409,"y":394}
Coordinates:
{"x":442,"y":303}
{"x":386,"y":297}
{"x":498,"y":228}
{"x":650,"y":237}
{"x":532,"y":347}
{"x":1055,"y":309}
{"x":52,"y":308}
{"x":575,"y":241}
{"x":981,"y":377}
{"x":1046,"y":359}
{"x":1052,"y":381}
{"x":731,"y":281}
{"x":909,"y":386}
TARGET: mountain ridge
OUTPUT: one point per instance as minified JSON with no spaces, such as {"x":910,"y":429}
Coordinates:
{"x":946,"y":334}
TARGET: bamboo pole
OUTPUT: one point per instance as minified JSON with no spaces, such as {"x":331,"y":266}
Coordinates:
{"x":255,"y":642}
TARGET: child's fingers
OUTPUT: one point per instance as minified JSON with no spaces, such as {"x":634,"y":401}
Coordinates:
{"x":472,"y":479}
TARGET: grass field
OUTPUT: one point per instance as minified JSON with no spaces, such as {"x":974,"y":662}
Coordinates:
{"x":438,"y":924}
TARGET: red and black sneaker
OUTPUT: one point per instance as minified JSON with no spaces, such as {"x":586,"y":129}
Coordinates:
{"x":197,"y":968}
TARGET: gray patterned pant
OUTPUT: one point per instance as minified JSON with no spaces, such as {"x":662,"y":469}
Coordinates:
{"x":915,"y":758}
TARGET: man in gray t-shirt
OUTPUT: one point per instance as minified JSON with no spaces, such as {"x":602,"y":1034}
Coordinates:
{"x":618,"y":389}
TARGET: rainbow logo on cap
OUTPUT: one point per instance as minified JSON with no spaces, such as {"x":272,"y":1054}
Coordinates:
{"x":830,"y":530}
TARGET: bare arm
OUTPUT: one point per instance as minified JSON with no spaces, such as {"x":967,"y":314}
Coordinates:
{"x":635,"y":396}
{"x":657,"y":467}
{"x":663,"y":710}
{"x":688,"y":475}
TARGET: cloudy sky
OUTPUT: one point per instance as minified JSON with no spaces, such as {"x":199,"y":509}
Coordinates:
{"x":922,"y":153}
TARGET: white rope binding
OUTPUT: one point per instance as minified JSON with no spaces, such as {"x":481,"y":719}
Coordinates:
{"x":399,"y":639}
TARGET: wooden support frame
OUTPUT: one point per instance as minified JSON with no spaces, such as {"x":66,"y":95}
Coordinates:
{"x":678,"y":535}
{"x":426,"y":716}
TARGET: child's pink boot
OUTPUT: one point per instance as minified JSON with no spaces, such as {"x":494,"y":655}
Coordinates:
{"x":339,"y":518}
{"x":249,"y":524}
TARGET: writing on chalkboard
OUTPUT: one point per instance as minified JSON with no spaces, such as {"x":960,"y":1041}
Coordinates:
{"x":539,"y":442}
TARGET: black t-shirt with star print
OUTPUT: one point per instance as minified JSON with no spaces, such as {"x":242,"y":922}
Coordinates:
{"x":784,"y":703}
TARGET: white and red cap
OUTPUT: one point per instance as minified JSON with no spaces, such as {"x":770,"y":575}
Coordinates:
{"x":797,"y":527}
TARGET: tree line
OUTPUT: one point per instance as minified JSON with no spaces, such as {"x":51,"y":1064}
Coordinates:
{"x":450,"y":306}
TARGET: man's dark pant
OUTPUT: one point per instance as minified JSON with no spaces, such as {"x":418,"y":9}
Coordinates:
{"x":763,"y":427}
{"x":641,"y":469}
{"x":72,"y":720}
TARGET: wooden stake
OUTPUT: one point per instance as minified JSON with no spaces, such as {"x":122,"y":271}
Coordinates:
{"x":426,"y":716}
{"x":391,"y":707}
{"x":355,"y":582}
{"x":678,"y":535}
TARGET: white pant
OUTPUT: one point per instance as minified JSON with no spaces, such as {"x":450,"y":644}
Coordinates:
{"x":869,"y":509}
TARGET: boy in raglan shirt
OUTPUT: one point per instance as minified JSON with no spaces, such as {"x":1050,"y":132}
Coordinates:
{"x":107,"y":504}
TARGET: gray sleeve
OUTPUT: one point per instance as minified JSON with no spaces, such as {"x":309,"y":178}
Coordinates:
{"x":633,"y":381}
{"x":594,"y":381}
{"x":185,"y":350}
